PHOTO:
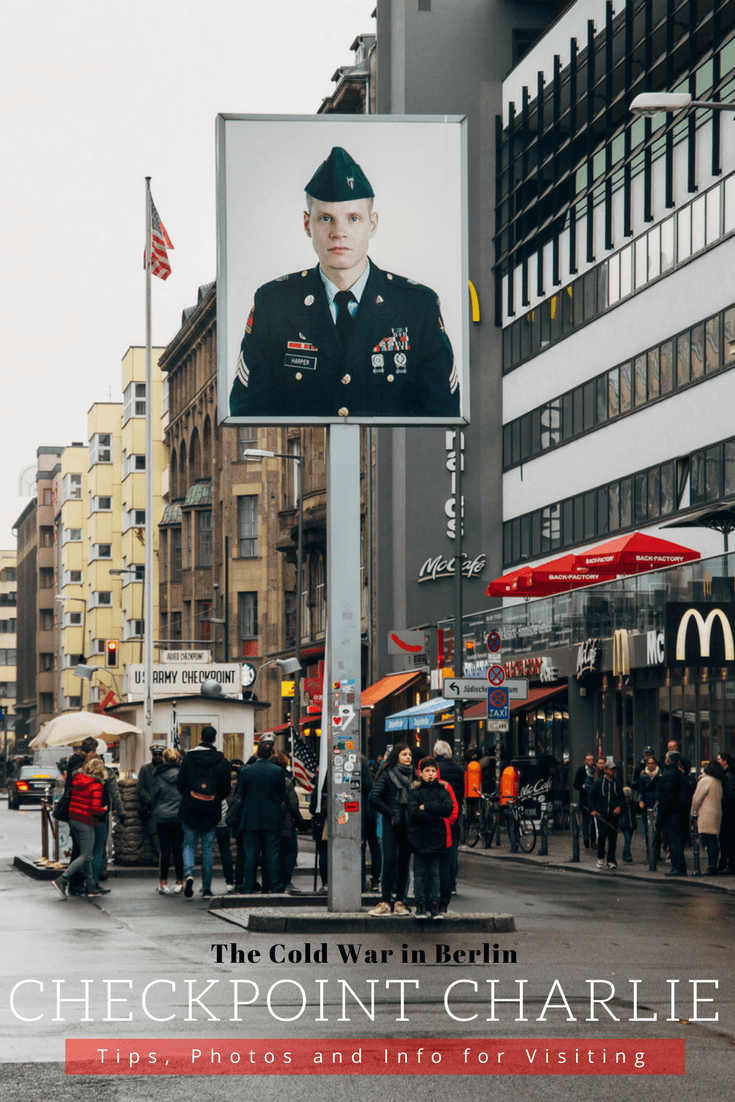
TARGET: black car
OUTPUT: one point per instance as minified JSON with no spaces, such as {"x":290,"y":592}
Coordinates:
{"x":29,"y":785}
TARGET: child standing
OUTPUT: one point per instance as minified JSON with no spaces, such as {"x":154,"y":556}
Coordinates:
{"x":429,"y":804}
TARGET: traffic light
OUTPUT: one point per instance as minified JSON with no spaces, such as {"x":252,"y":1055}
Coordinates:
{"x":112,"y":652}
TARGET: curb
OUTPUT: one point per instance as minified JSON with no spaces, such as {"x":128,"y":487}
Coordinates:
{"x":321,"y":923}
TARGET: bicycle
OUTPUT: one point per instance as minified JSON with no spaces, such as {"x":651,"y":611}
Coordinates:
{"x":479,"y":822}
{"x":520,"y":826}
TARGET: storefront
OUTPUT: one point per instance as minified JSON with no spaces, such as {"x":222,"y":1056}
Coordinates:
{"x":618,"y":666}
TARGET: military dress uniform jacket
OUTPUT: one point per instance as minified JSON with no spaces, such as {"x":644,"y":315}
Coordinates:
{"x":398,"y":361}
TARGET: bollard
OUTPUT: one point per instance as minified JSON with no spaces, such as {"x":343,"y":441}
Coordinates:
{"x":544,"y":843}
{"x":651,"y":841}
{"x":575,"y":819}
{"x":696,"y":869}
{"x":512,"y":832}
{"x":44,"y":829}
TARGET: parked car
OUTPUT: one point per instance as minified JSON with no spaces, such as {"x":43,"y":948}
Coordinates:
{"x":29,"y":785}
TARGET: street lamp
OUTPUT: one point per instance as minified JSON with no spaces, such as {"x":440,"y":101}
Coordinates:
{"x":86,"y":673}
{"x":654,"y":103}
{"x":261,"y":453}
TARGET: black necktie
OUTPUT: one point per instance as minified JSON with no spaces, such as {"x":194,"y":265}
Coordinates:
{"x":344,"y":317}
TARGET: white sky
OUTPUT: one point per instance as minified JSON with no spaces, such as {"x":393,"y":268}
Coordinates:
{"x":96,"y":95}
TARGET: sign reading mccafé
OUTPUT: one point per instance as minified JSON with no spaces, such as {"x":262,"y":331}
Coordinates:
{"x":700,"y":634}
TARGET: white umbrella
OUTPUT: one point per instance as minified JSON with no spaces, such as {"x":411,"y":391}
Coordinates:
{"x":71,"y":727}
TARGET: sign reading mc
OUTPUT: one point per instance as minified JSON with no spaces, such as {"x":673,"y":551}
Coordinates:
{"x":700,"y":634}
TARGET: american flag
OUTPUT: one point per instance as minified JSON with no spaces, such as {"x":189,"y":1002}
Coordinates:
{"x":160,"y":242}
{"x":304,"y":763}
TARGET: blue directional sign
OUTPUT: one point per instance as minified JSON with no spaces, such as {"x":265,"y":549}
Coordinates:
{"x":497,"y":704}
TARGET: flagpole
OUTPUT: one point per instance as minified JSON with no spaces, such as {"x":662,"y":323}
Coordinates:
{"x":148,"y":568}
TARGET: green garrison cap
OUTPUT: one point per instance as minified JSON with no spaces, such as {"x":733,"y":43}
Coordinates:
{"x":339,"y":179}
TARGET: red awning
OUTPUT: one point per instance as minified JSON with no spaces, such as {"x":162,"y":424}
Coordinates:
{"x":535,"y":696}
{"x":634,"y":553}
{"x":387,"y":686}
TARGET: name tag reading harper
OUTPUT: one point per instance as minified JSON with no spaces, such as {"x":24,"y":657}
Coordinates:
{"x":303,"y":363}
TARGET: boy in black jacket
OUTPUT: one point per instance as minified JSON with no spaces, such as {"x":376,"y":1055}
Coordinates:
{"x":429,"y":804}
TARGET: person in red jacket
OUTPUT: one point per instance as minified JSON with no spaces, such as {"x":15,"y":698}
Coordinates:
{"x":85,"y":810}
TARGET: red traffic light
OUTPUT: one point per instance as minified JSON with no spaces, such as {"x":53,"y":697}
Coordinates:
{"x":112,"y":652}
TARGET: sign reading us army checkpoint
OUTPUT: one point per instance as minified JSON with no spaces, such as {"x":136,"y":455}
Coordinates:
{"x":174,"y":679}
{"x":475,"y":688}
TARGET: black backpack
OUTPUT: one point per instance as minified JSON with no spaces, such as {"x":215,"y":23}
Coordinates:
{"x":202,"y":778}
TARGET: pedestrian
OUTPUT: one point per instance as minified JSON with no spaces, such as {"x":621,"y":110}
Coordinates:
{"x":583,"y":781}
{"x":117,"y":808}
{"x":451,"y":771}
{"x":390,"y":798}
{"x":320,"y":832}
{"x":203,"y":781}
{"x":727,"y":828}
{"x":291,"y":821}
{"x":85,"y":810}
{"x":647,"y":754}
{"x":165,"y":804}
{"x":627,"y":824}
{"x":146,"y":776}
{"x":223,"y":833}
{"x":648,"y":782}
{"x":95,"y":768}
{"x":429,"y":804}
{"x":606,"y":804}
{"x":86,"y":751}
{"x":707,"y":806}
{"x":262,"y":789}
{"x":674,"y":801}
{"x":445,"y":865}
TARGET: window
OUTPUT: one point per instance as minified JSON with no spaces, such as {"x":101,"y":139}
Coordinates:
{"x":72,"y":619}
{"x":176,"y":555}
{"x":71,"y":535}
{"x":134,"y":518}
{"x":7,"y":689}
{"x":7,"y":656}
{"x":46,"y":537}
{"x":134,"y":401}
{"x":46,"y":579}
{"x":71,"y":487}
{"x":100,"y":448}
{"x":46,"y":661}
{"x":247,"y":515}
{"x":72,"y":577}
{"x":133,"y":629}
{"x":101,"y":504}
{"x":46,"y":703}
{"x":7,"y":627}
{"x":46,"y":619}
{"x":101,"y":551}
{"x":247,"y":614}
{"x":101,"y":597}
{"x":48,"y":497}
{"x":247,"y":437}
{"x":320,"y":595}
{"x":204,"y":628}
{"x":175,"y":627}
{"x":132,"y":463}
{"x":204,"y":526}
{"x":290,"y":617}
{"x":163,"y":544}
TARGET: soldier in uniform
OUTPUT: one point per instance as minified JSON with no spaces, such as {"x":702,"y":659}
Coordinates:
{"x":344,"y":338}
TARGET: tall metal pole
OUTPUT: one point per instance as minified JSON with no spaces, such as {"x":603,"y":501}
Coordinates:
{"x":458,"y":664}
{"x":148,"y":572}
{"x":296,"y":705}
{"x":343,"y":763}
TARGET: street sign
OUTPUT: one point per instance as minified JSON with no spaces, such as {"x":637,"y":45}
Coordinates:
{"x":173,"y":679}
{"x":186,"y":657}
{"x":517,"y":688}
{"x":464,"y":688}
{"x":496,"y":675}
{"x":497,"y":704}
{"x":498,"y":725}
{"x":493,"y":642}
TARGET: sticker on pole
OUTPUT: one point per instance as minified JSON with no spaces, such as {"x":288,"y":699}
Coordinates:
{"x":497,"y":704}
{"x":496,"y":675}
{"x":493,"y":642}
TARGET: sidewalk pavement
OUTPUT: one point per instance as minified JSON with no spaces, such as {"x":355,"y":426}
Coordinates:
{"x":560,"y":857}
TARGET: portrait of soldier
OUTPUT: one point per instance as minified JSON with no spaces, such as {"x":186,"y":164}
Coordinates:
{"x":344,"y":338}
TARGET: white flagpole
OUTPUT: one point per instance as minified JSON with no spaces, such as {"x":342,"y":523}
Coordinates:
{"x":148,"y":568}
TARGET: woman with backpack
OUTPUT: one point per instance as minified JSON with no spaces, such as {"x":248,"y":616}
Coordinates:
{"x":165,"y":802}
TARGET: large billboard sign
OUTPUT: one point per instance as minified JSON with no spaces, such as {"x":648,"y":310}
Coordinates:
{"x":700,"y":634}
{"x":342,"y":280}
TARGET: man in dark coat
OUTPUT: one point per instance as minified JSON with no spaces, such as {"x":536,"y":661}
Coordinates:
{"x":606,"y":803}
{"x":674,"y":800}
{"x":203,"y":781}
{"x":583,"y":782}
{"x":344,"y":338}
{"x":262,"y":789}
